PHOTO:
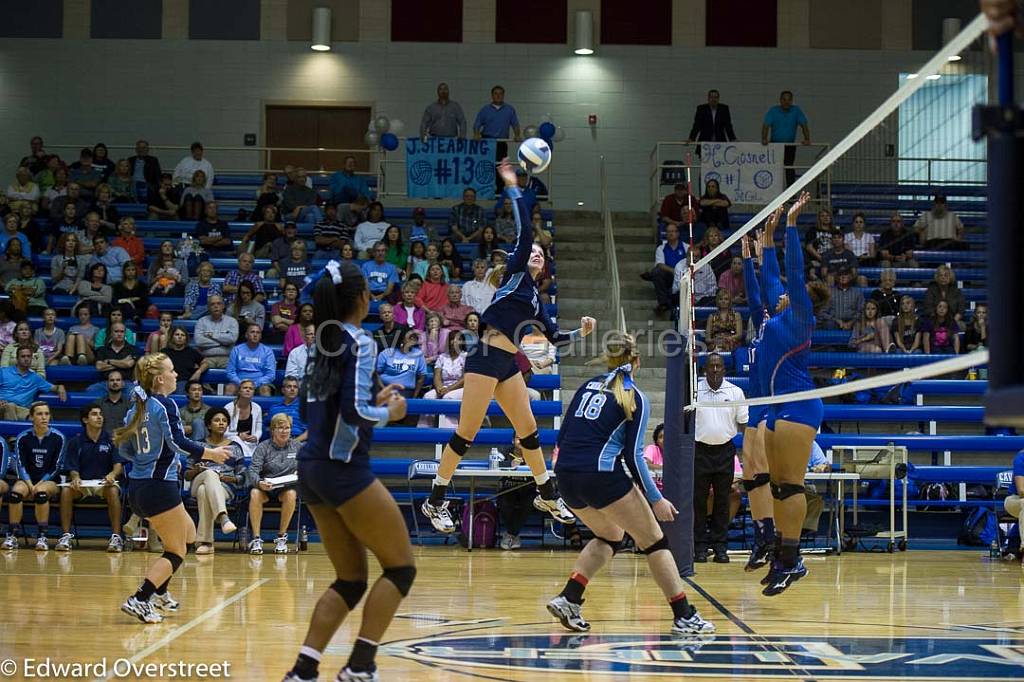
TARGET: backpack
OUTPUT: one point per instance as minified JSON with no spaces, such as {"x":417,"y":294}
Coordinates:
{"x":979,"y":528}
{"x":934,"y":491}
{"x":485,"y":525}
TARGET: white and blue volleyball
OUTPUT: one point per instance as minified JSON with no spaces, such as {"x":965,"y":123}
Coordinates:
{"x":534,"y":155}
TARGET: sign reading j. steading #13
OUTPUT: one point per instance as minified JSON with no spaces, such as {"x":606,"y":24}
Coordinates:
{"x":443,"y":167}
{"x":747,"y":172}
{"x":741,"y":656}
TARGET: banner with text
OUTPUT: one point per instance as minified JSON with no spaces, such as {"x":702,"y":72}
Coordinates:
{"x":443,"y":167}
{"x":747,"y":172}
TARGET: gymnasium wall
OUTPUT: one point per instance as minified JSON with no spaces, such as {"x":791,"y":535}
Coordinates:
{"x":173,"y":90}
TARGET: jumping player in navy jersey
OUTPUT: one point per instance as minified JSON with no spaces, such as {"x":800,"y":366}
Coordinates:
{"x":491,"y":370}
{"x":755,"y":462}
{"x":151,"y":441}
{"x":600,"y":467}
{"x":353,"y":510}
{"x":791,"y":426}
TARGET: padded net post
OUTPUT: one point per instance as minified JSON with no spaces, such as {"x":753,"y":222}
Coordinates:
{"x":677,"y":473}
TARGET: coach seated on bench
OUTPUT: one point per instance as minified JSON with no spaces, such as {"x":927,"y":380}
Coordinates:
{"x":213,"y":483}
{"x":272,"y":458}
{"x":91,"y":456}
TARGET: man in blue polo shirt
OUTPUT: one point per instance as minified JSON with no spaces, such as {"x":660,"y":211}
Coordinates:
{"x":671,"y":251}
{"x":494,"y":120}
{"x":381,"y":276}
{"x":19,"y":386}
{"x":290,"y":406}
{"x":346,"y":186}
{"x":91,"y":456}
{"x":782,"y":121}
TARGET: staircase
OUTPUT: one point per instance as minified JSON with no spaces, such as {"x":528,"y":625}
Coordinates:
{"x":583,"y":281}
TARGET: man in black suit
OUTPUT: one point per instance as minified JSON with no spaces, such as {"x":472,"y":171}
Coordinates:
{"x":145,"y":171}
{"x":712,"y":122}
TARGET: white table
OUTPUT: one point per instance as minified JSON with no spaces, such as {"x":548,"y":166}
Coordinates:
{"x":838,"y":508}
{"x":476,"y":473}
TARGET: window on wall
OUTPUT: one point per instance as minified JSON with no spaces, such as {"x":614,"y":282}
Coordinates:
{"x":132,"y":19}
{"x":36,"y":19}
{"x":626,"y":22}
{"x":531,"y":21}
{"x":224,"y":20}
{"x":437,"y":21}
{"x":741,"y":23}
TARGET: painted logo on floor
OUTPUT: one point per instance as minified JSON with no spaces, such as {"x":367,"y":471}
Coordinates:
{"x":740,"y":655}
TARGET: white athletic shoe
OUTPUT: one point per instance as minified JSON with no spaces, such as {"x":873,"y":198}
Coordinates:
{"x":440,"y":517}
{"x":568,"y":613}
{"x":509,"y":541}
{"x":281,"y":544}
{"x":116,"y":544}
{"x":694,"y":625}
{"x":42,"y":544}
{"x":64,"y":544}
{"x":143,"y":610}
{"x":227,"y":526}
{"x":256,"y":546}
{"x":164,"y":602}
{"x":292,"y":677}
{"x":347,"y":675}
{"x":559,"y":512}
{"x":10,"y":542}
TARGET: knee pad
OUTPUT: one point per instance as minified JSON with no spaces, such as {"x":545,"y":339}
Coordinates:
{"x":781,"y":492}
{"x":656,"y":547}
{"x":401,"y":577}
{"x":14,"y":498}
{"x":756,"y":482}
{"x":616,"y":545}
{"x":174,"y":560}
{"x":459,"y":445}
{"x":350,"y":591}
{"x":531,"y":442}
{"x":40,"y":498}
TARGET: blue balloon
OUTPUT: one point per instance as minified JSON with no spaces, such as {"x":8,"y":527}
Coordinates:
{"x":547,"y":130}
{"x":389,"y":141}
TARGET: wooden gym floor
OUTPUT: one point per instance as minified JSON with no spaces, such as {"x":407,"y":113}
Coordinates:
{"x":926,"y":615}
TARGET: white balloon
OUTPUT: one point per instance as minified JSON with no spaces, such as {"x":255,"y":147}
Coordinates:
{"x":397,"y":126}
{"x":372,"y":139}
{"x":529,"y":131}
{"x":381,"y":124}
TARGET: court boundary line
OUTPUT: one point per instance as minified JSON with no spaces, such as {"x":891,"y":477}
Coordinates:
{"x":178,"y":632}
{"x":722,"y":608}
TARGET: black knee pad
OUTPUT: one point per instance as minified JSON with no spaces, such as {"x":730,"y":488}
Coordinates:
{"x":656,"y":547}
{"x":616,"y":545}
{"x":40,"y":498}
{"x":14,"y":498}
{"x":174,"y":560}
{"x":459,"y":445}
{"x":351,"y":591}
{"x":781,"y":492}
{"x":401,"y":577}
{"x":756,"y":482}
{"x":531,"y":442}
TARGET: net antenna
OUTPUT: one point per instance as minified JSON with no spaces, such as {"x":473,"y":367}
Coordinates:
{"x":687,"y":303}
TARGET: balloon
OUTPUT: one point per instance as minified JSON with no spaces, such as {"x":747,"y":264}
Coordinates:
{"x":397,"y":126}
{"x":547,"y":130}
{"x":389,"y":141}
{"x":529,"y":131}
{"x":381,"y":124}
{"x":372,"y":139}
{"x":559,"y":134}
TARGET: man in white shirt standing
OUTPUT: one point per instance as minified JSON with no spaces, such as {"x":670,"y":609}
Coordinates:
{"x":713,"y":462}
{"x":185,"y":169}
{"x":479,"y":292}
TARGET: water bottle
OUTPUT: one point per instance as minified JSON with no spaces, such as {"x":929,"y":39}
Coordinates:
{"x":243,"y":538}
{"x":303,"y":539}
{"x":993,"y":550}
{"x":972,"y":374}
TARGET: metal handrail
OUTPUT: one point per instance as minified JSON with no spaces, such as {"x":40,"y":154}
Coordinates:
{"x":610,"y":252}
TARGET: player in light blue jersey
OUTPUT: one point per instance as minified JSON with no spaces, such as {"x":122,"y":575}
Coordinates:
{"x":151,"y":441}
{"x":604,"y":479}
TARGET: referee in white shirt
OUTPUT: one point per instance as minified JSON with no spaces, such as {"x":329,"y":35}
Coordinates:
{"x":713,"y":463}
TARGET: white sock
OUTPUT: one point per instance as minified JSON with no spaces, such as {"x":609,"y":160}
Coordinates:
{"x":311,"y":652}
{"x":440,"y":480}
{"x":541,"y":479}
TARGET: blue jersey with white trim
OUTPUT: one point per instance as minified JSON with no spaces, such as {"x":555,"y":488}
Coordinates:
{"x":517,"y":303}
{"x":341,"y":425}
{"x":786,"y":342}
{"x":10,"y":463}
{"x":763,"y":292}
{"x":42,"y":459}
{"x":596,"y":436}
{"x":154,"y":449}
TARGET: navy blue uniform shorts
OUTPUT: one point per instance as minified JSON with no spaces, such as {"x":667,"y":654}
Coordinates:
{"x":596,"y":489}
{"x":149,"y":497}
{"x":491,"y":362}
{"x":332,"y":482}
{"x":806,"y":412}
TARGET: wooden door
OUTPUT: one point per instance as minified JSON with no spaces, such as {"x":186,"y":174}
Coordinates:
{"x":311,"y":127}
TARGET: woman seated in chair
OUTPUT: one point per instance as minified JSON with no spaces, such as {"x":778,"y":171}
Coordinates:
{"x":213,"y":484}
{"x":273,"y":458}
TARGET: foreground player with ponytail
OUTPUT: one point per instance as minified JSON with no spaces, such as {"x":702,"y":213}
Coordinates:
{"x":353,"y":510}
{"x":151,"y":440}
{"x":602,"y":437}
{"x":491,"y":370}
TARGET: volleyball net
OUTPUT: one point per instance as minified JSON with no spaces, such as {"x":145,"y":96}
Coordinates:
{"x":915,"y":145}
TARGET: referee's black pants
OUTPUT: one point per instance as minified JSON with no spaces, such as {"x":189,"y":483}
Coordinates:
{"x":713,"y":469}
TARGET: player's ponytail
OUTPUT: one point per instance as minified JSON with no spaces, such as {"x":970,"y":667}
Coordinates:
{"x":146,"y":370}
{"x":335,"y":297}
{"x":820,"y":296}
{"x":620,"y":356}
{"x":494,"y":278}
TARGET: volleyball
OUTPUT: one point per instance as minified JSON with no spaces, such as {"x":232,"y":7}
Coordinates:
{"x":534,"y":155}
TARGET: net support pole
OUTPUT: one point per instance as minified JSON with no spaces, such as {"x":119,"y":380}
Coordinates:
{"x":677,"y":472}
{"x":1003,"y":126}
